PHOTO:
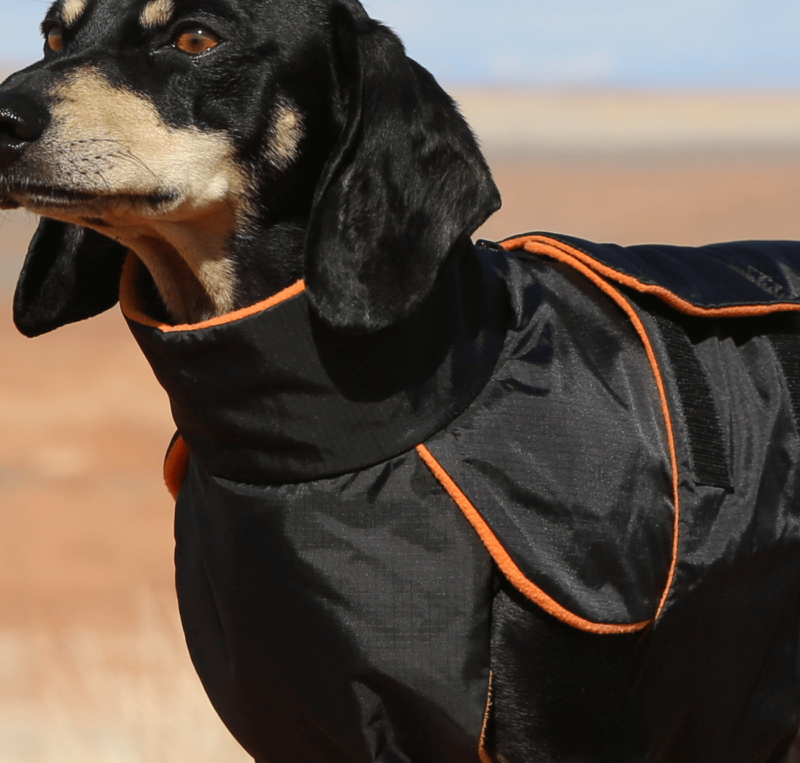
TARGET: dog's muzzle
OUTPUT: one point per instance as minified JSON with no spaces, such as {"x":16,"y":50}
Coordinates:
{"x":22,"y":122}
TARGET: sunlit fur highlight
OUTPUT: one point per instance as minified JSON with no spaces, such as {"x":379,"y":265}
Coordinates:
{"x":285,"y":135}
{"x":72,"y":10}
{"x":157,"y":13}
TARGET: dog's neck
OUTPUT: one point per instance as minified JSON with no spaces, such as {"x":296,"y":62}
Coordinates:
{"x":189,"y":294}
{"x":374,"y":396}
{"x":199,"y":274}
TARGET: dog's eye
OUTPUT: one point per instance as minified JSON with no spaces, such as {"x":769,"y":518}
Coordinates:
{"x":55,"y":38}
{"x":196,"y":41}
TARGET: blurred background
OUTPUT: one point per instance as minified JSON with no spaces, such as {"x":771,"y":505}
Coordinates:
{"x":627,"y":120}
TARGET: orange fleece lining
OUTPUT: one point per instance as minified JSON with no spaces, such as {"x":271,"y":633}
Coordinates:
{"x":544,"y":245}
{"x":176,"y":466}
{"x":541,"y":245}
{"x":131,"y":307}
{"x":509,"y":568}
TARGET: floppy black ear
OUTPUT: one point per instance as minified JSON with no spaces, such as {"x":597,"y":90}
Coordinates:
{"x":405,"y":183}
{"x":70,"y":273}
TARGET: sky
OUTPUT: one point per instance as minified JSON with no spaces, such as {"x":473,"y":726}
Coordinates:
{"x":562,"y":43}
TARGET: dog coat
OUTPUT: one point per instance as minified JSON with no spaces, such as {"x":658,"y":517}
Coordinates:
{"x":614,"y":430}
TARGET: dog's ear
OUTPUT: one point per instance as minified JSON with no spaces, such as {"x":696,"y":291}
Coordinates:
{"x":70,"y":273}
{"x":404,"y":185}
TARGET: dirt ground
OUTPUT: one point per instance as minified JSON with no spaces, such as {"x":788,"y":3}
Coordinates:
{"x":85,"y":521}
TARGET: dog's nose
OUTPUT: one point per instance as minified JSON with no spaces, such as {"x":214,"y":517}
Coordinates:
{"x":21,"y":122}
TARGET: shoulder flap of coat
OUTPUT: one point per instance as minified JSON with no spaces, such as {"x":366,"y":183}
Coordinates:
{"x":567,"y":464}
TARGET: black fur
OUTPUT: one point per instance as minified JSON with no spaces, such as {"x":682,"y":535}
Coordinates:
{"x":405,"y":184}
{"x":70,"y":273}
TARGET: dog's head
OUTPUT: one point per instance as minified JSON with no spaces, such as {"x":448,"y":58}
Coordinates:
{"x":235,"y":146}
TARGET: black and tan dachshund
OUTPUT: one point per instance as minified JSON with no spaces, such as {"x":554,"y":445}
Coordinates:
{"x":283,"y":201}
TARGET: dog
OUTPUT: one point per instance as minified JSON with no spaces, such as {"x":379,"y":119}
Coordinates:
{"x":283,"y":202}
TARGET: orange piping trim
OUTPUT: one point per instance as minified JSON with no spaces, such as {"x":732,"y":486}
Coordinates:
{"x":131,"y":308}
{"x":482,"y":754}
{"x":544,"y":245}
{"x":176,"y":466}
{"x":510,"y":569}
{"x":569,"y":256}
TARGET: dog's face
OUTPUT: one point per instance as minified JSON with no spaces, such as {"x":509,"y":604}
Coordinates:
{"x":235,"y":146}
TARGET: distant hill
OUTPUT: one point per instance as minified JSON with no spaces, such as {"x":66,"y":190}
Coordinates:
{"x":536,"y":122}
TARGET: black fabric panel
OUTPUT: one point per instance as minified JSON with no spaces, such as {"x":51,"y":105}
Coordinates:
{"x":342,"y":620}
{"x":560,"y":694}
{"x":709,"y":457}
{"x":760,"y":514}
{"x":787,"y":348}
{"x":719,"y":681}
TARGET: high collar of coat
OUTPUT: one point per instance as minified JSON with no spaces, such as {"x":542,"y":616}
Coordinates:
{"x":269,"y":395}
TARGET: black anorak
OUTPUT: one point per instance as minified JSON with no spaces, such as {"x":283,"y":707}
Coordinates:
{"x":614,"y":431}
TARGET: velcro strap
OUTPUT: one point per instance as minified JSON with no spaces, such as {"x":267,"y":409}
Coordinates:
{"x":708,"y":454}
{"x":787,"y":348}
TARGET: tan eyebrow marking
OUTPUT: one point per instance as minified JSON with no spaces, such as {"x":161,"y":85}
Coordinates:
{"x":285,"y":135}
{"x":72,"y":10}
{"x":157,"y":13}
